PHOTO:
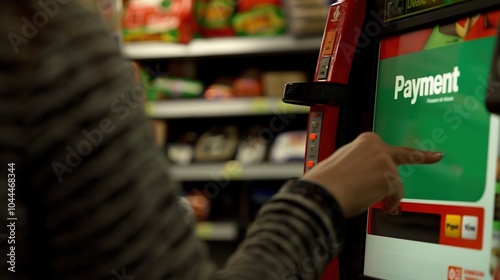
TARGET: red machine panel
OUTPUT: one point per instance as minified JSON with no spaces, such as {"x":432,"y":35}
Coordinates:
{"x":338,"y":47}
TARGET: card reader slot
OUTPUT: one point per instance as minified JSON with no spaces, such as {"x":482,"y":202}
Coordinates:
{"x":423,"y":227}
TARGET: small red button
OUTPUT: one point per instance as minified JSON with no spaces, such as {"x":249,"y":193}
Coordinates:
{"x":310,"y":163}
{"x":315,"y":115}
{"x":313,"y":136}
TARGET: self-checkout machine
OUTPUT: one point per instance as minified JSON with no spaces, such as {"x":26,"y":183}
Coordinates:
{"x":416,"y":72}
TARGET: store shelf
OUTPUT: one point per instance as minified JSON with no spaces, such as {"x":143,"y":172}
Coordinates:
{"x":201,"y":108}
{"x":221,"y":47}
{"x":217,"y":231}
{"x":221,"y":172}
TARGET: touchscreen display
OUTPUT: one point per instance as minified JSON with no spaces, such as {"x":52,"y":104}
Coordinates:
{"x":430,"y":95}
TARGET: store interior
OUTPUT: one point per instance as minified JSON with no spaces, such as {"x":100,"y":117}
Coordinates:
{"x":212,"y":74}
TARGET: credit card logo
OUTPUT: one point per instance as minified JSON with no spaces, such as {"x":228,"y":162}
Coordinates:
{"x":469,"y":227}
{"x":452,"y":226}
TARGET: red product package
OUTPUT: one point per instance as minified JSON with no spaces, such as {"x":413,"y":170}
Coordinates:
{"x":245,"y":5}
{"x":158,"y":20}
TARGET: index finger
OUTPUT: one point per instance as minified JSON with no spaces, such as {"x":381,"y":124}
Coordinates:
{"x":405,"y":155}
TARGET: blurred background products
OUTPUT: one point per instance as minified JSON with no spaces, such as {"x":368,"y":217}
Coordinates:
{"x":252,"y":148}
{"x":200,"y":204}
{"x":306,"y":17}
{"x":175,"y":87}
{"x":252,"y":82}
{"x":228,"y":142}
{"x":225,"y":18}
{"x":214,"y":17}
{"x":220,"y":89}
{"x":217,"y":144}
{"x":248,"y":84}
{"x":181,"y":151}
{"x":289,"y":146}
{"x":259,"y":18}
{"x":179,"y":21}
{"x":274,"y":81}
{"x":213,"y":72}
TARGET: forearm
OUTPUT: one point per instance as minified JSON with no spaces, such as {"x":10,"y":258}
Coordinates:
{"x":292,"y":238}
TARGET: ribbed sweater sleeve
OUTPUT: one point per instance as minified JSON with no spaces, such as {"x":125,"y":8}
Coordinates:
{"x":94,"y":195}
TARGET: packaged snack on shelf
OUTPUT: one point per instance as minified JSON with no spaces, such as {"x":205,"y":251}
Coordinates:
{"x":158,"y":20}
{"x":248,"y":84}
{"x":252,"y":148}
{"x":181,"y":151}
{"x":274,"y":81}
{"x":214,"y":17}
{"x":306,"y":17}
{"x":219,"y":143}
{"x":260,"y":19}
{"x":200,"y":204}
{"x":173,"y":87}
{"x":288,"y":146}
{"x":220,"y":89}
{"x":246,"y":5}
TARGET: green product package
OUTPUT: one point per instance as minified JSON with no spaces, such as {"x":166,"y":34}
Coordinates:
{"x":262,"y":20}
{"x":217,"y":13}
{"x":172,"y":87}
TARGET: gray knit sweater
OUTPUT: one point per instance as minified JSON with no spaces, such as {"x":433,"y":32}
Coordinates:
{"x":93,"y":199}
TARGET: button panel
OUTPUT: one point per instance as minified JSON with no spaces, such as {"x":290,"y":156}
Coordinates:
{"x":313,"y":139}
{"x":330,"y":37}
{"x":470,"y":227}
{"x":323,"y":68}
{"x":452,"y":226}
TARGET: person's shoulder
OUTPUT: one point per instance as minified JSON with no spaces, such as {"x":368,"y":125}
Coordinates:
{"x":46,"y":23}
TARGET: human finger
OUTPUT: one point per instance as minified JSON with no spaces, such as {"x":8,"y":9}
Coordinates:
{"x":391,"y":203}
{"x":395,"y":190}
{"x":405,"y":155}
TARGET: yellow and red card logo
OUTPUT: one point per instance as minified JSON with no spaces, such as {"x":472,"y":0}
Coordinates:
{"x":453,"y":226}
{"x":454,"y":273}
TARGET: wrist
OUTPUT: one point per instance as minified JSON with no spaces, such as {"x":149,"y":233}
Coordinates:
{"x":324,"y":199}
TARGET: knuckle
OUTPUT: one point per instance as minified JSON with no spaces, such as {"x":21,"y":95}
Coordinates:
{"x":387,"y":164}
{"x":368,"y":136}
{"x":380,"y":153}
{"x":379,"y":149}
{"x":417,"y":156}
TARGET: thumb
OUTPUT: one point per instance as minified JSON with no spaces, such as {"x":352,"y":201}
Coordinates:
{"x":391,"y":204}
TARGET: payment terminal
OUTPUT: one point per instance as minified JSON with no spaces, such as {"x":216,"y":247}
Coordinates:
{"x":416,"y":72}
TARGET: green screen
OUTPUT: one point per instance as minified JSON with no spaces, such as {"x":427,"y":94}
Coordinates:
{"x":434,"y":100}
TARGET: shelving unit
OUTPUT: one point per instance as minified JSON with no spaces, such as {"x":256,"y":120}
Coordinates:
{"x":221,"y":47}
{"x":200,"y":108}
{"x":248,"y":185}
{"x":217,"y":231}
{"x":235,"y":171}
